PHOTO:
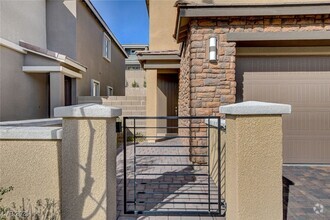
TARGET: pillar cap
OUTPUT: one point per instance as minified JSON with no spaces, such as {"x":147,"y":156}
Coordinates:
{"x":256,"y":108}
{"x":87,"y":111}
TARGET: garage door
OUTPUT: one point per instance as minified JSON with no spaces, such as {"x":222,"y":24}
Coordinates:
{"x":303,"y":82}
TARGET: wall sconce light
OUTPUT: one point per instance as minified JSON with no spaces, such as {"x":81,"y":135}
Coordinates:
{"x":213,"y":49}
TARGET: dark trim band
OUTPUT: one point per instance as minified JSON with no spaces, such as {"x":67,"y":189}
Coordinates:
{"x":278,"y":36}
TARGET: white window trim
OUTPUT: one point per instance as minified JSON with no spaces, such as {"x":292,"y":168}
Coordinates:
{"x":109,"y":87}
{"x":106,"y":38}
{"x":93,"y":81}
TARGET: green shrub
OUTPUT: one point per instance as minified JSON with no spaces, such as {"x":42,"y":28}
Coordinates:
{"x":139,"y":137}
{"x":135,"y":84}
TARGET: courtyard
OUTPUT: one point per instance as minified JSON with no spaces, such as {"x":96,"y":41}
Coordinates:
{"x":306,"y":189}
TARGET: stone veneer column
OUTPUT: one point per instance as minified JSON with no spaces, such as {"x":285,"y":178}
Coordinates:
{"x":213,"y":84}
{"x":88,"y":161}
{"x":254,"y":160}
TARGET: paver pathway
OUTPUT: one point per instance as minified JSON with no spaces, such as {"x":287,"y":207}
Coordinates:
{"x":306,"y":192}
{"x":305,"y":188}
{"x":170,"y":188}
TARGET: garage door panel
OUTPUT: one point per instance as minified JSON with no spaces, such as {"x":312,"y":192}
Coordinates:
{"x":306,"y":132}
{"x":297,"y":92}
{"x":301,"y":122}
{"x":306,"y":150}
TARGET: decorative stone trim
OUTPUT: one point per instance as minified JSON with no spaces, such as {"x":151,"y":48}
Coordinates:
{"x":256,"y":108}
{"x":87,"y":111}
{"x":34,"y":122}
{"x":31,"y":133}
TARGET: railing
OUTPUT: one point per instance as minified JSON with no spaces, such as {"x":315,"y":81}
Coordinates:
{"x":172,"y":175}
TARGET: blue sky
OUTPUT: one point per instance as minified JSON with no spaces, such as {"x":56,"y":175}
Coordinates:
{"x":127,"y":19}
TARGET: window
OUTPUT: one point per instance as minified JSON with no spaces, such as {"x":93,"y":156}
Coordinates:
{"x":95,"y":88}
{"x":109,"y":91}
{"x":107,"y":47}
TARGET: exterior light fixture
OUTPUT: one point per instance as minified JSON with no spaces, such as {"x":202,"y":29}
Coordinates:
{"x":213,"y":49}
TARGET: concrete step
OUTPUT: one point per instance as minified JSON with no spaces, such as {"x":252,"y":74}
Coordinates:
{"x":123,"y":103}
{"x":137,"y":124}
{"x":133,"y":108}
{"x":133,"y":113}
{"x":124,"y":98}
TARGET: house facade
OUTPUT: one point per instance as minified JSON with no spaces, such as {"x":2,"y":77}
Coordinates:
{"x":134,"y":73}
{"x":223,"y":52}
{"x":58,"y":51}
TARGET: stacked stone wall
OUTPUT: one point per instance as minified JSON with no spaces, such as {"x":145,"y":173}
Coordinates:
{"x":205,"y":85}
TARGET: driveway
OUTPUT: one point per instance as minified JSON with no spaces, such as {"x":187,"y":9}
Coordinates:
{"x":306,"y":192}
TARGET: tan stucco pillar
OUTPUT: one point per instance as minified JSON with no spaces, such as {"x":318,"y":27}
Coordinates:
{"x":88,"y":161}
{"x":151,"y":101}
{"x":57,"y":91}
{"x":254,"y":160}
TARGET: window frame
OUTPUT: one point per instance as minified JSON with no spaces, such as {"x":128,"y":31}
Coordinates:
{"x":111,"y":93}
{"x":95,"y":82}
{"x":106,"y":47}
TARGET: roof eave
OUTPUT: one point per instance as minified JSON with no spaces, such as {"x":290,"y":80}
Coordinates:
{"x":189,"y":11}
{"x":52,"y":55}
{"x":104,"y":25}
{"x":159,"y":60}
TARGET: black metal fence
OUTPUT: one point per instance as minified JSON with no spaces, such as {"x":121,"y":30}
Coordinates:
{"x":170,"y":171}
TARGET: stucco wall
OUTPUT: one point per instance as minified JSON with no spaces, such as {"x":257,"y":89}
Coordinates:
{"x":90,"y":53}
{"x":89,"y":153}
{"x":214,"y":158}
{"x":32,"y":168}
{"x":23,"y":20}
{"x":61,"y":27}
{"x":254,"y":167}
{"x":22,"y":95}
{"x":162,"y":16}
{"x":138,"y":76}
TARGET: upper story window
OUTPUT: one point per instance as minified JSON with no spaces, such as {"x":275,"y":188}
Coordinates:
{"x":109,"y":91}
{"x":95,"y":88}
{"x":107,"y":47}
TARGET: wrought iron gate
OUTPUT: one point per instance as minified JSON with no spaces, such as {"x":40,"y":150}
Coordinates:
{"x":173,"y":174}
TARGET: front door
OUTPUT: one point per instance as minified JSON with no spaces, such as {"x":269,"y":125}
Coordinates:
{"x":68,"y":90}
{"x":169,"y":86}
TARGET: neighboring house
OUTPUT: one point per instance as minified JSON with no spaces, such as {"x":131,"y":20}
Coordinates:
{"x":134,"y":74}
{"x":52,"y":52}
{"x":227,"y":51}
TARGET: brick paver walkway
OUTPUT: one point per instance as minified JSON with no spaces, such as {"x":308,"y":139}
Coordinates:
{"x":306,"y":189}
{"x":306,"y":192}
{"x":170,"y":188}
